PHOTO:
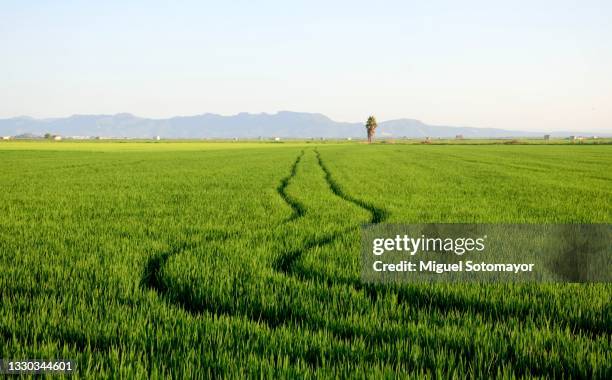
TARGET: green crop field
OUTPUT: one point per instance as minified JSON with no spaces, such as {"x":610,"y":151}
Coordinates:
{"x":192,"y":260}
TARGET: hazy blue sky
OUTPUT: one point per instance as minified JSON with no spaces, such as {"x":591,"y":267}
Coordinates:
{"x":512,"y":64}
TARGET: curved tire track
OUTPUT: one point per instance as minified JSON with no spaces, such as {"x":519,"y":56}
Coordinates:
{"x":379,"y":215}
{"x":285,"y":265}
{"x":153,"y":273}
{"x":152,"y":277}
{"x":296,"y":206}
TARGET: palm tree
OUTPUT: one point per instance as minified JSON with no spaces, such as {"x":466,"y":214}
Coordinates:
{"x":371,"y":128}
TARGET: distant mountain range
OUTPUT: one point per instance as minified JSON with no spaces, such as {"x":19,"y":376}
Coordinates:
{"x":283,"y":124}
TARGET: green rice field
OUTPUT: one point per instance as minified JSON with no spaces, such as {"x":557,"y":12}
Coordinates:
{"x":198,"y":260}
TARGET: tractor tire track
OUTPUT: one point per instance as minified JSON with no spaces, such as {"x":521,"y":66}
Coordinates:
{"x":152,"y":277}
{"x":285,"y":265}
{"x":297,"y":208}
{"x":286,"y":262}
{"x":379,"y":215}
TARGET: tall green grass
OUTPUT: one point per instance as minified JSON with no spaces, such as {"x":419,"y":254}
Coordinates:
{"x":194,"y":260}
